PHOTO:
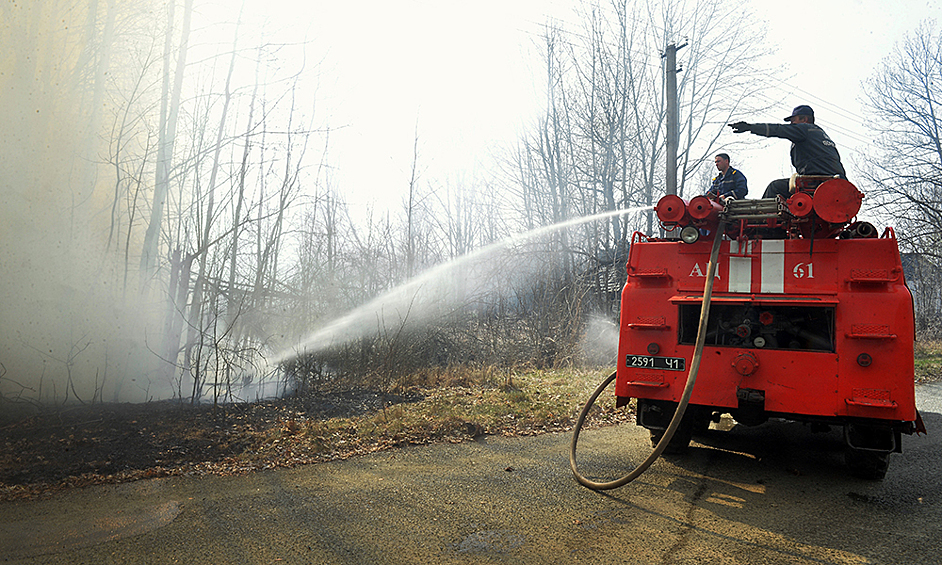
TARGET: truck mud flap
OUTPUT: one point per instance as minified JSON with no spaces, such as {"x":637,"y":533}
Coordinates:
{"x":876,"y":439}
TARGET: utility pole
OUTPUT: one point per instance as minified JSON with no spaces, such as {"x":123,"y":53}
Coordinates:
{"x":673,"y":129}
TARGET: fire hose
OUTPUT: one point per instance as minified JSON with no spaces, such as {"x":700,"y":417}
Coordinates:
{"x":684,"y":400}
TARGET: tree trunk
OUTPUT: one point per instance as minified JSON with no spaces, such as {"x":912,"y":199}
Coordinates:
{"x":169,"y":105}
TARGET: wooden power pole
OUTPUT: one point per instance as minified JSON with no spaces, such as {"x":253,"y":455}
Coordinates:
{"x":673,"y":129}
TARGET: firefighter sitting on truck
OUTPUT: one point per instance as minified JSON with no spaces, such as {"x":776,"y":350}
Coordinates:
{"x":730,"y":183}
{"x":813,"y":152}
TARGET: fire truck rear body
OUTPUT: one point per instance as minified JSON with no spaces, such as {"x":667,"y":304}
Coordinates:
{"x":814,"y":330}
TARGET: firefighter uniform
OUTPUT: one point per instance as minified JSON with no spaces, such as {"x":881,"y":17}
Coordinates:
{"x":812,"y":153}
{"x":732,"y":183}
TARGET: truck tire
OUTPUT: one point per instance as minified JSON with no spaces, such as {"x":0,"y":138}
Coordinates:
{"x":679,"y":441}
{"x":870,"y":465}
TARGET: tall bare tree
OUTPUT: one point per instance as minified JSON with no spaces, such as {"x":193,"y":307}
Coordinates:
{"x":169,"y":113}
{"x":904,"y":166}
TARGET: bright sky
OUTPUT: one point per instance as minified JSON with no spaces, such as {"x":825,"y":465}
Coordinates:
{"x":465,"y":76}
{"x":830,"y":47}
{"x":457,"y":76}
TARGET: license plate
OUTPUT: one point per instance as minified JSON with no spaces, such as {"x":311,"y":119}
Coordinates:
{"x":649,"y":362}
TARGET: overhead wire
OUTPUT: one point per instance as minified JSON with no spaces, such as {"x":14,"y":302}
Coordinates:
{"x":839,"y":119}
{"x":833,"y":125}
{"x":584,"y":37}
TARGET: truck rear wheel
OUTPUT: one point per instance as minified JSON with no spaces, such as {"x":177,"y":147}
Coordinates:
{"x":678,"y":442}
{"x":870,"y":465}
{"x":701,"y":419}
{"x":656,"y":416}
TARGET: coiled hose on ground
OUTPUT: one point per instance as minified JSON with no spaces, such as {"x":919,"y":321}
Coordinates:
{"x":684,"y":400}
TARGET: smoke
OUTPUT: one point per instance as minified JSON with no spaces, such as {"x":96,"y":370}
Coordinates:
{"x":68,"y":327}
{"x":68,"y":330}
{"x":600,"y":342}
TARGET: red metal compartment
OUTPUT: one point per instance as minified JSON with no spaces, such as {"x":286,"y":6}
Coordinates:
{"x":854,"y":286}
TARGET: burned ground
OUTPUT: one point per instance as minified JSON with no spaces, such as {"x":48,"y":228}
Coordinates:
{"x":43,"y":450}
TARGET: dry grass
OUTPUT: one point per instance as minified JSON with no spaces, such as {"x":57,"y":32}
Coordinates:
{"x":456,"y":405}
{"x":928,"y":361}
{"x":86,"y":445}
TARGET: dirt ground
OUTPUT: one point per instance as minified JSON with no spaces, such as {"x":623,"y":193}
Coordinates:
{"x":44,"y":451}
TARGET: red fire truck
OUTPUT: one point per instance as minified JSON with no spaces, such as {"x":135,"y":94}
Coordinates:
{"x":809,"y":319}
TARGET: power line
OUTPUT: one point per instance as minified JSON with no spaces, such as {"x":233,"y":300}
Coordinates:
{"x":838,"y":123}
{"x":833,"y":125}
{"x":836,"y":108}
{"x":585,"y":38}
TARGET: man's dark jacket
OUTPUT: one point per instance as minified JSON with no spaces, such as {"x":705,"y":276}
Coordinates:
{"x":733,"y":183}
{"x":813,"y":152}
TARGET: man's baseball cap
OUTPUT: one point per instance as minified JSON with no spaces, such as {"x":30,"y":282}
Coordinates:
{"x":802,"y":110}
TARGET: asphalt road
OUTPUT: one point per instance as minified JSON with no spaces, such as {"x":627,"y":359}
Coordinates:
{"x":766,"y":495}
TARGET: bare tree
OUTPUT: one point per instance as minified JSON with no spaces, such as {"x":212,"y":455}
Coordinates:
{"x":601,"y":139}
{"x":906,"y":164}
{"x":169,"y":112}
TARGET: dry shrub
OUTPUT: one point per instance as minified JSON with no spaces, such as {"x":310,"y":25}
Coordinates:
{"x":541,"y":327}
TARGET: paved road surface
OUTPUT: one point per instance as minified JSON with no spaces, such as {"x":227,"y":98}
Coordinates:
{"x":767,"y":495}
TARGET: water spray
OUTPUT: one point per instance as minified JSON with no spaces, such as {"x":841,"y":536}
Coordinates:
{"x":354,"y":324}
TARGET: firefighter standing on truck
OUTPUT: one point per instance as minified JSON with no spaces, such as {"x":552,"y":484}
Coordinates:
{"x":730,"y":183}
{"x":813,"y":152}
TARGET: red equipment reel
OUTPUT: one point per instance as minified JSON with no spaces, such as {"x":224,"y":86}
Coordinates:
{"x":672,"y":210}
{"x":703,"y":209}
{"x":800,"y":205}
{"x":837,"y":201}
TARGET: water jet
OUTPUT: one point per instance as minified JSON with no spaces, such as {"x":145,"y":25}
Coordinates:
{"x":432,"y":293}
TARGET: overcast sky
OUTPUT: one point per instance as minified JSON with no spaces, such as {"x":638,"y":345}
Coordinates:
{"x":464,"y":76}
